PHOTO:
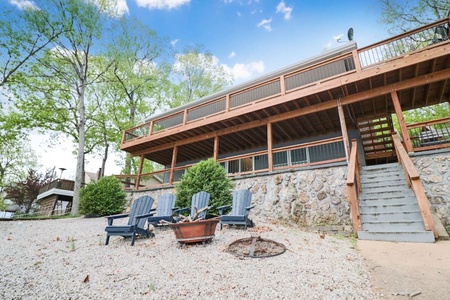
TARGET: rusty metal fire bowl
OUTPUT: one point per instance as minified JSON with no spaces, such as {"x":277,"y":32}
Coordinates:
{"x":256,"y":247}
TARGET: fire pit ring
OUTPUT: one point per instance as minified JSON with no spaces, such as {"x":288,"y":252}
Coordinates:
{"x":256,"y":247}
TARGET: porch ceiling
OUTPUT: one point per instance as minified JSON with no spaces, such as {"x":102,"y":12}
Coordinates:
{"x":198,"y":142}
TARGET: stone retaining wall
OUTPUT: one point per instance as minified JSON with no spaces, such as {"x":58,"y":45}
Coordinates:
{"x":434,"y":171}
{"x":306,"y":197}
{"x":315,"y":197}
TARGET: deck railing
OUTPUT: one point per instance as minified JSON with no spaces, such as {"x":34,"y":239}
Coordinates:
{"x":430,"y":135}
{"x":354,"y":186}
{"x":268,"y":89}
{"x":341,"y":65}
{"x":415,"y":183}
{"x":321,"y":152}
{"x":61,"y":184}
{"x":403,"y":44}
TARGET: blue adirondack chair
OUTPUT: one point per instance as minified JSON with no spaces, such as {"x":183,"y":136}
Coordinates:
{"x":239,"y":210}
{"x":140,"y":211}
{"x":164,"y":211}
{"x":198,"y":202}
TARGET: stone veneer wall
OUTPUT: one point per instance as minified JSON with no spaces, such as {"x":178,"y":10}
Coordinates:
{"x":307,"y":197}
{"x":434,"y":170}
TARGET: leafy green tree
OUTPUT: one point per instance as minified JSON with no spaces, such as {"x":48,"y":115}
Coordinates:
{"x":209,"y":176}
{"x":402,"y":16}
{"x":20,"y":46}
{"x":134,"y":84}
{"x":15,"y":157}
{"x":24,"y":193}
{"x":196,"y":74}
{"x":104,"y":197}
{"x":52,"y":94}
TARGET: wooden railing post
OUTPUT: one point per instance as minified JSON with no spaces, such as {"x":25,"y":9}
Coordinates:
{"x":354,"y":186}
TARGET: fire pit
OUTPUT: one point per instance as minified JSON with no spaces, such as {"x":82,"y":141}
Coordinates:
{"x":256,"y":247}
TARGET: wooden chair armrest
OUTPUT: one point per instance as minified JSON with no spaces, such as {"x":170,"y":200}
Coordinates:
{"x":221,"y":209}
{"x":250,"y":207}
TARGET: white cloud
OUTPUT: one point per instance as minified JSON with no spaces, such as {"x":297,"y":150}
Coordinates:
{"x":265,"y":24}
{"x":161,"y":4}
{"x":122,"y":7}
{"x":286,"y":10}
{"x":232,"y":54}
{"x":115,"y":8}
{"x":174,"y":42}
{"x":245,"y":71}
{"x":23,"y":4}
{"x":239,"y":14}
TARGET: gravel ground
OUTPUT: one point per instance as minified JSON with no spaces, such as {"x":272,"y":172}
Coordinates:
{"x":67,"y":259}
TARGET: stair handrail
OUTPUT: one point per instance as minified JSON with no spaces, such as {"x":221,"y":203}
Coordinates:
{"x":354,"y":185}
{"x":415,"y":183}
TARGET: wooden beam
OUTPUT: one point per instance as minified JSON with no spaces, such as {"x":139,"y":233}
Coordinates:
{"x":401,"y":121}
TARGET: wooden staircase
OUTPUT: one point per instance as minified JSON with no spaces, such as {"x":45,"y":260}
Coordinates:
{"x":376,"y":137}
{"x":388,"y":207}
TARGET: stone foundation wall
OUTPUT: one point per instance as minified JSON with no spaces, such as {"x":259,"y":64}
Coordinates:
{"x":307,"y":197}
{"x":434,"y":171}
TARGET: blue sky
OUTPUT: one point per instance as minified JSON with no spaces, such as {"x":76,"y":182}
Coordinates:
{"x":252,"y":37}
{"x":249,"y":38}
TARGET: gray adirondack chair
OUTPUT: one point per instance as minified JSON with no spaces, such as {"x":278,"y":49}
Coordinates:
{"x":239,"y":210}
{"x":199,"y":201}
{"x":140,"y":211}
{"x":164,"y":211}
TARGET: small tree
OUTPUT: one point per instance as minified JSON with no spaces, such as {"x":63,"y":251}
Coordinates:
{"x":25,"y":192}
{"x":208,"y":176}
{"x":104,"y":197}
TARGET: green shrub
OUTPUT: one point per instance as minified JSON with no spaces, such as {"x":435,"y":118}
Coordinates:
{"x":104,"y":197}
{"x":208,"y":176}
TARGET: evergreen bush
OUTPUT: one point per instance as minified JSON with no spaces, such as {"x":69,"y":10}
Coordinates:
{"x":102,"y":198}
{"x":208,"y":176}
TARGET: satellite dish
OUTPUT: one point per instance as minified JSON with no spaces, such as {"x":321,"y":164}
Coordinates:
{"x":350,"y":34}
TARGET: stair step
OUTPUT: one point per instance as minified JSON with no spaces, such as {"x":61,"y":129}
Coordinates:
{"x":391,"y":216}
{"x":394,"y":196}
{"x":394,"y":225}
{"x":398,"y":236}
{"x":386,"y":189}
{"x":397,"y":207}
{"x":382,"y":167}
{"x":384,"y":183}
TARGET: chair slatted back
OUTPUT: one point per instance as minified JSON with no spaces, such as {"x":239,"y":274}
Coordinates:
{"x":199,"y":201}
{"x":166,"y":203}
{"x":141,"y":206}
{"x":241,"y":200}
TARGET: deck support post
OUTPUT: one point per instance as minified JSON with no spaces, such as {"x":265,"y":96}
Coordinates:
{"x":174,"y":162}
{"x":138,"y":178}
{"x":269,"y":147}
{"x":216,"y":148}
{"x":343,"y":129}
{"x":401,"y":121}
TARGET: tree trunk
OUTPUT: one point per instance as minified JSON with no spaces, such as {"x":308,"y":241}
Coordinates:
{"x":105,"y":157}
{"x":80,"y":157}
